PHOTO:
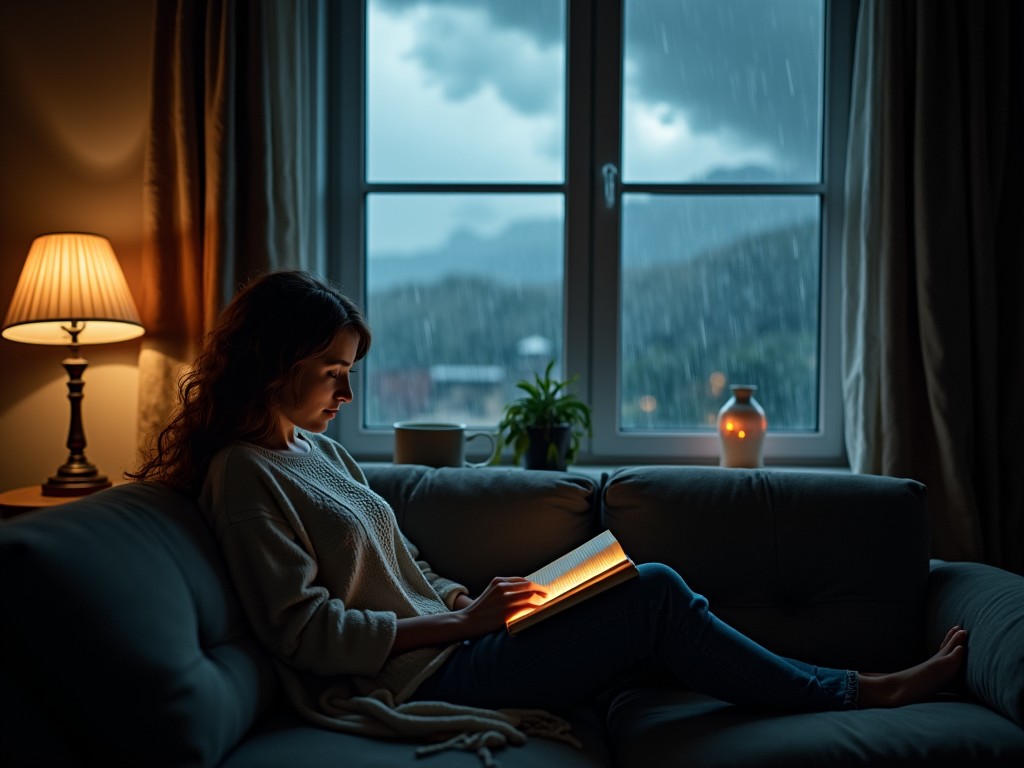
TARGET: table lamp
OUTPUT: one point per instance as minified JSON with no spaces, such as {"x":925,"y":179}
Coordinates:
{"x":72,"y":291}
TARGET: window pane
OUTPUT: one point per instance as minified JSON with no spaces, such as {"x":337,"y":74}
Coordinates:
{"x":460,"y":91}
{"x":716,"y":291}
{"x":722,"y":91}
{"x":464,"y":295}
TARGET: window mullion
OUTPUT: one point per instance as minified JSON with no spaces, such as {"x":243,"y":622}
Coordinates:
{"x":579,"y":188}
{"x":347,"y":159}
{"x":604,"y":311}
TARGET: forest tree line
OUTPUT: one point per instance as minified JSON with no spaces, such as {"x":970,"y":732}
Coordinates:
{"x":749,"y":311}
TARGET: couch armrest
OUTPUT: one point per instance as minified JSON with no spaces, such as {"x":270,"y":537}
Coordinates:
{"x":989,"y":603}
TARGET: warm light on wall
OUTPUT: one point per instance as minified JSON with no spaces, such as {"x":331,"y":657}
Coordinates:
{"x":72,"y":291}
{"x":741,"y":427}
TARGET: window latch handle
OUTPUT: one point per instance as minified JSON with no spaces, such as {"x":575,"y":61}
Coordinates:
{"x":609,"y":172}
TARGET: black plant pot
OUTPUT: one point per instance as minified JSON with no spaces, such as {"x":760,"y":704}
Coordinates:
{"x":537,"y":454}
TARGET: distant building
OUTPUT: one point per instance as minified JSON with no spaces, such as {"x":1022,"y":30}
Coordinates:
{"x":535,"y":346}
{"x":471,"y":393}
{"x":534,"y":353}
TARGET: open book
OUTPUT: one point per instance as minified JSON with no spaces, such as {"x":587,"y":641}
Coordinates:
{"x":585,"y":571}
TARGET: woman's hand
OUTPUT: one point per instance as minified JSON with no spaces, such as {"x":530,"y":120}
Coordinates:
{"x":503,"y":597}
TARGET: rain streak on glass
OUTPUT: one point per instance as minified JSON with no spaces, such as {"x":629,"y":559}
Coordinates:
{"x":464,"y":289}
{"x":722,"y":91}
{"x":720,"y":286}
{"x":465,"y":91}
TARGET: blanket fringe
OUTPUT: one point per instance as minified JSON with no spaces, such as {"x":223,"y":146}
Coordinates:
{"x":451,"y":726}
{"x":469,"y":742}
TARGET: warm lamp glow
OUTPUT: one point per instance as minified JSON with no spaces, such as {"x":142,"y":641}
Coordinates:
{"x":72,"y":291}
{"x":71,"y":285}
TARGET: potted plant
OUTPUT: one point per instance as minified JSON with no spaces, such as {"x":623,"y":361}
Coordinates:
{"x":546,"y":424}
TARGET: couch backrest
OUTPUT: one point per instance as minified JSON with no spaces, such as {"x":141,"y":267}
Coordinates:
{"x":826,"y":567}
{"x":122,"y":641}
{"x":474,"y":524}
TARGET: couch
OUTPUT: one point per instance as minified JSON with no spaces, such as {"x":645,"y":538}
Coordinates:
{"x":123,"y":642}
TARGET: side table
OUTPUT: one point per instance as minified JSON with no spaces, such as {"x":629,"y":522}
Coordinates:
{"x":20,"y":500}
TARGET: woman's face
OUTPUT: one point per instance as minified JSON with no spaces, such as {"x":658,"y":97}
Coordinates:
{"x":321,"y":386}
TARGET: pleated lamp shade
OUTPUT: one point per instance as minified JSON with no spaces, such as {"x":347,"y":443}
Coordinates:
{"x":71,"y":277}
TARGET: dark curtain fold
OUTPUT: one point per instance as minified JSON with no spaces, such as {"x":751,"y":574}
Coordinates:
{"x":233,"y":169}
{"x":934,"y":264}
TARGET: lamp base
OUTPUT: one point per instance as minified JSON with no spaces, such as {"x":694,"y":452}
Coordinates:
{"x":76,"y":476}
{"x":75,"y":479}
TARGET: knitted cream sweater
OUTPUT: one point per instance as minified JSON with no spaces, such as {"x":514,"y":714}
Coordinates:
{"x":321,"y":568}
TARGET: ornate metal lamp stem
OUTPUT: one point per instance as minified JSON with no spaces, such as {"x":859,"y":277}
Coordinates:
{"x":76,"y":476}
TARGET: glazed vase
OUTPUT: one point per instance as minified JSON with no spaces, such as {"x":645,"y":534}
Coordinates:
{"x":742,"y":425}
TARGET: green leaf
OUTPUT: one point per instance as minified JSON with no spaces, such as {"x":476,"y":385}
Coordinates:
{"x":546,"y":403}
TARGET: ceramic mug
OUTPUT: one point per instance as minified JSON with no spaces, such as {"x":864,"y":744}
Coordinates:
{"x":437,"y":444}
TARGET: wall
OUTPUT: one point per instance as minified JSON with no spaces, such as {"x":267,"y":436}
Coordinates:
{"x":74,"y":95}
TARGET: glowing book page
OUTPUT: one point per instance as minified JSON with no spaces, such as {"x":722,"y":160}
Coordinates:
{"x":590,"y":568}
{"x":600,"y":554}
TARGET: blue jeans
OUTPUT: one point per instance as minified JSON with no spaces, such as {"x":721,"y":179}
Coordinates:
{"x":654,"y":618}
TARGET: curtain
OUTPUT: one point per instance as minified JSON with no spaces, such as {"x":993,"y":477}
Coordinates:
{"x":234,"y":170}
{"x":933,"y":265}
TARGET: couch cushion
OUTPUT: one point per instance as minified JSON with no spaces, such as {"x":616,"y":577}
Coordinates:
{"x":283,"y":739}
{"x":827,"y":567}
{"x":474,"y":524}
{"x":660,"y":725}
{"x":127,"y":633}
{"x":989,"y":603}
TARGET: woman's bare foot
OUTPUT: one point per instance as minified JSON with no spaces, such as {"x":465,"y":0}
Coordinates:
{"x":918,"y":682}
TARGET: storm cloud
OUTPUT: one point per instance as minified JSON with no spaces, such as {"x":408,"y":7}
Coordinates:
{"x":749,"y":69}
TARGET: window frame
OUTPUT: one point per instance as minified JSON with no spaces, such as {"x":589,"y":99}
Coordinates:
{"x":590,"y":291}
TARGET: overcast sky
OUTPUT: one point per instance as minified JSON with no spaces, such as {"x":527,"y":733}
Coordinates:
{"x":473,"y":90}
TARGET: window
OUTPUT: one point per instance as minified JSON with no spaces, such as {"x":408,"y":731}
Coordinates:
{"x":643,"y":190}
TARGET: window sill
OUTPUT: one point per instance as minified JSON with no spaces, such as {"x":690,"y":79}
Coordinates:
{"x":596,"y":470}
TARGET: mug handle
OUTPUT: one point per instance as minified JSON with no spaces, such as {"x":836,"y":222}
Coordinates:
{"x":494,"y":448}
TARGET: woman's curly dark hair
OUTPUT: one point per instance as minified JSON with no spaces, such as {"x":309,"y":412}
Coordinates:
{"x":247,"y":366}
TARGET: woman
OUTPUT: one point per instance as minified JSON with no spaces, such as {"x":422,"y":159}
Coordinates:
{"x":336,"y":592}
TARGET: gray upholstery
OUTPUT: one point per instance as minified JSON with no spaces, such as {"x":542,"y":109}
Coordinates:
{"x":646,"y":723}
{"x":123,"y":634}
{"x":830,"y":567}
{"x":122,"y":643}
{"x":989,"y":602}
{"x":474,"y":525}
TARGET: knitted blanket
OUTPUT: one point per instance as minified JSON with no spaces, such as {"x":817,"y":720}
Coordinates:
{"x":446,"y":726}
